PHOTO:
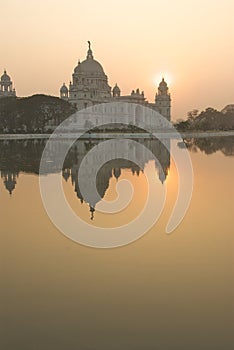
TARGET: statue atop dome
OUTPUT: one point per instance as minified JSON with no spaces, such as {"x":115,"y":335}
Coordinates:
{"x":90,"y":52}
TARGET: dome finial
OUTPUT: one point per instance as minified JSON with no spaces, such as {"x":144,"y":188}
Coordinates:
{"x":90,"y":53}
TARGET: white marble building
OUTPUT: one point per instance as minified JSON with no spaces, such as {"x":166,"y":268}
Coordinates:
{"x":228,"y":109}
{"x":89,"y":86}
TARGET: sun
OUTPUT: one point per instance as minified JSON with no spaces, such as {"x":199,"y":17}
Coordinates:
{"x":166,"y":75}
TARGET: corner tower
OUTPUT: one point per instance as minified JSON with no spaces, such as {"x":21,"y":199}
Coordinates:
{"x":6,"y":86}
{"x":163,"y":100}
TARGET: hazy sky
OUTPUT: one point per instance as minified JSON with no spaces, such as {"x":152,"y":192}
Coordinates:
{"x":190,"y":42}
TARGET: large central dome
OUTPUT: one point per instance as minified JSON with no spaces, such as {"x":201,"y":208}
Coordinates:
{"x":89,"y":65}
{"x":89,"y":84}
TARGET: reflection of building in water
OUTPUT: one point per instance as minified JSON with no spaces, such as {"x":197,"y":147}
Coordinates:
{"x":9,"y":180}
{"x":210,"y":145}
{"x":89,"y":87}
{"x":19,"y":156}
{"x":6,"y":86}
{"x":114,"y":167}
{"x":25,"y":155}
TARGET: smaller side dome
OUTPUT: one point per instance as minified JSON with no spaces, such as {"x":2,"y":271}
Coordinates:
{"x":5,"y":77}
{"x":63,"y":89}
{"x":64,"y":92}
{"x":116,"y":91}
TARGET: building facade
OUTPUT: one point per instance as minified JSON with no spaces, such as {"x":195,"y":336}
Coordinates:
{"x":228,"y":109}
{"x":6,"y":86}
{"x":89,"y":86}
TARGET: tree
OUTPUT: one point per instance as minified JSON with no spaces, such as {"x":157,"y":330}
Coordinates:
{"x":192,"y":114}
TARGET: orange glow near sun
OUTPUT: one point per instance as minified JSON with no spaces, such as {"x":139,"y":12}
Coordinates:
{"x":167,"y":77}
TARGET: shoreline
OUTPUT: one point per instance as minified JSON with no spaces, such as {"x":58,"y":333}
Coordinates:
{"x":164,"y":134}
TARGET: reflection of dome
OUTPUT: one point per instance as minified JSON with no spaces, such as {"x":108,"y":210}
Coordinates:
{"x":64,"y":89}
{"x":5,"y":77}
{"x":9,"y":180}
{"x":89,"y":66}
{"x":117,"y":173}
{"x":66,"y":174}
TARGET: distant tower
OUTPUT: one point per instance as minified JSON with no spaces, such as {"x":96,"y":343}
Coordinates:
{"x":6,"y":88}
{"x":116,"y":91}
{"x":163,"y":100}
{"x":64,"y":92}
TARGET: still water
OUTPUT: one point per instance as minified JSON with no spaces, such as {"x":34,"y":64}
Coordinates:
{"x":162,"y":291}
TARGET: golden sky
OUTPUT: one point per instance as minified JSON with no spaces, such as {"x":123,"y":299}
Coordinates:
{"x":190,"y":42}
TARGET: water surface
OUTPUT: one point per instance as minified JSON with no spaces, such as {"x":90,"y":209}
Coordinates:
{"x":164,"y":292}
